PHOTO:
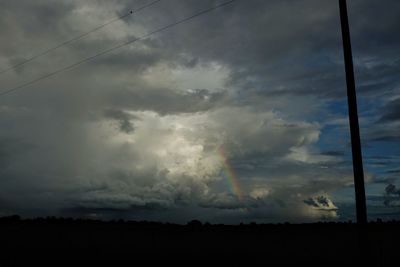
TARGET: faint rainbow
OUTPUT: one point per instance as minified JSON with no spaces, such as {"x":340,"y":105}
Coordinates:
{"x":230,"y":174}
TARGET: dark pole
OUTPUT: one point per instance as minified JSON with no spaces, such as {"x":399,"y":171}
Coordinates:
{"x":361,"y":206}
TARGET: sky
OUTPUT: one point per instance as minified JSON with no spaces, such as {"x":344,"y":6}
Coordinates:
{"x":237,"y":115}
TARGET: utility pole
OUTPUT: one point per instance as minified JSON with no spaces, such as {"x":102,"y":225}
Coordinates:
{"x":361,"y":207}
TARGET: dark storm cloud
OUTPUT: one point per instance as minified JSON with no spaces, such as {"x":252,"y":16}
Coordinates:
{"x":391,"y":189}
{"x":43,"y":21}
{"x":253,"y":41}
{"x":381,"y":34}
{"x":162,"y":156}
{"x":392,"y":196}
{"x":374,"y":45}
{"x":230,"y":202}
{"x":377,"y":75}
{"x":384,"y":132}
{"x":386,"y":127}
{"x":10,"y":148}
{"x":134,"y":61}
{"x":313,"y":30}
{"x":391,"y":112}
{"x":316,"y":202}
{"x":123,"y":118}
{"x":311,"y":33}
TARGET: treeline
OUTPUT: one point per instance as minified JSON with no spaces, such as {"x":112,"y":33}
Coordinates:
{"x":16,"y":219}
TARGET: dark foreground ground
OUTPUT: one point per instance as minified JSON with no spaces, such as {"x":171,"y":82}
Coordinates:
{"x":66,"y":242}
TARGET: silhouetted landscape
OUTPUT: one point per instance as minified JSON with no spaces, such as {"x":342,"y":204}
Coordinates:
{"x":76,"y":241}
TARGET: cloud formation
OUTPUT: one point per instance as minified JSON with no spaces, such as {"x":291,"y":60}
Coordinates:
{"x":321,"y":203}
{"x":136,"y":133}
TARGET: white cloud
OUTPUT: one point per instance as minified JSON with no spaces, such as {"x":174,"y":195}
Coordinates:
{"x":260,"y":193}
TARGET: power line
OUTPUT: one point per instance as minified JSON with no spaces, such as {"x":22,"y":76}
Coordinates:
{"x":116,"y":47}
{"x":79,"y":37}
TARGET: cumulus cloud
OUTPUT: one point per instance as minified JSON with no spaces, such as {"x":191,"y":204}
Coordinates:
{"x":391,"y":189}
{"x":320,"y":203}
{"x":391,"y":198}
{"x":260,"y":193}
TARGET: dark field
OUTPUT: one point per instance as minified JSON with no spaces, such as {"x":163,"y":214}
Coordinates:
{"x":67,"y":242}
